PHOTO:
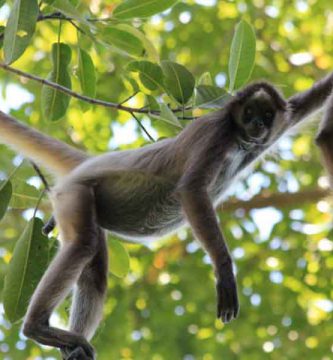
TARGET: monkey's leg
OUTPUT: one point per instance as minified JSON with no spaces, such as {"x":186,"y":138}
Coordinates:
{"x":324,"y":138}
{"x":75,"y":214}
{"x":86,"y":311}
{"x":89,"y":293}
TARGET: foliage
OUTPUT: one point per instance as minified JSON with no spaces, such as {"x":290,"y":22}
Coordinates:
{"x":173,"y":60}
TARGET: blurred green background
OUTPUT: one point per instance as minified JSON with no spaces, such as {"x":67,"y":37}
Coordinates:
{"x":165,"y":307}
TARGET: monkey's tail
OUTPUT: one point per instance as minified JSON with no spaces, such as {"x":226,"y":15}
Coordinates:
{"x":56,"y":156}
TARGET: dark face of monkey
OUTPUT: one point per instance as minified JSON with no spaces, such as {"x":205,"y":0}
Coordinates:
{"x":257,"y":116}
{"x":255,"y":113}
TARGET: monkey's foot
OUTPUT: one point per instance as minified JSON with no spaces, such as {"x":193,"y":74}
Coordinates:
{"x":227,"y":299}
{"x":49,"y":226}
{"x":79,"y":353}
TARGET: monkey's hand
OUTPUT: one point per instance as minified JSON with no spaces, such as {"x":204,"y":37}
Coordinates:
{"x":227,"y":299}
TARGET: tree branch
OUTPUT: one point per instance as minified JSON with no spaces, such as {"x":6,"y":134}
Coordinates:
{"x":85,"y":98}
{"x":60,"y":16}
{"x":278,"y":200}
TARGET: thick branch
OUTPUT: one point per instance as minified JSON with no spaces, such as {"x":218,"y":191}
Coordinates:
{"x":278,"y":200}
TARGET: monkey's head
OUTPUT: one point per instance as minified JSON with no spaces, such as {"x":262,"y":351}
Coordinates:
{"x":257,"y":112}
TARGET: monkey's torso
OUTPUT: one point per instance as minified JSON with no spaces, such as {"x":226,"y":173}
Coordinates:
{"x":136,"y":204}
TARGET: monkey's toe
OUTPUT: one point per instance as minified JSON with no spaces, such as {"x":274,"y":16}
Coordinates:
{"x":78,"y":354}
{"x":49,"y":226}
{"x":81,"y":352}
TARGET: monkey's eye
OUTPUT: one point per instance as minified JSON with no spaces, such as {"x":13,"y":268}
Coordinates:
{"x":269,"y":115}
{"x":248,"y":111}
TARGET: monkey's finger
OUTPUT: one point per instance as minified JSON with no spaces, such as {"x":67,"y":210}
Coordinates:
{"x":220,"y":309}
{"x":219,"y":306}
{"x":223,"y":306}
{"x":225,"y":316}
{"x":223,"y":302}
{"x":230,"y":314}
{"x":78,"y":354}
{"x":236,"y":304}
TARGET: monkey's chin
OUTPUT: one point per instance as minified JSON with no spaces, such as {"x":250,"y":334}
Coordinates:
{"x":249,"y":141}
{"x":257,"y":136}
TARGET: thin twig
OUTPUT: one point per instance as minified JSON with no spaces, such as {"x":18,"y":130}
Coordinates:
{"x":129,"y":98}
{"x":53,"y":16}
{"x":143,"y":128}
{"x":41,"y":176}
{"x":59,"y":15}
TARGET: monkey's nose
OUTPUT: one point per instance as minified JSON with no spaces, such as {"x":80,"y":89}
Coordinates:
{"x":258,"y":122}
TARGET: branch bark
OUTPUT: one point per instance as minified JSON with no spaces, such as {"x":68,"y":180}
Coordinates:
{"x":278,"y":200}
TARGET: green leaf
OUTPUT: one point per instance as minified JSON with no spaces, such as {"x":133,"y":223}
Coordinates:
{"x":5,"y":196}
{"x":129,"y":9}
{"x":26,"y":268}
{"x":66,"y":8}
{"x":211,"y":97}
{"x":132,"y":83}
{"x":179,"y":82}
{"x":54,"y":102}
{"x":24,"y":195}
{"x":150,"y":74}
{"x":205,"y":79}
{"x":87,"y":76}
{"x":20,"y":28}
{"x":123,"y":40}
{"x":151,"y":51}
{"x":242,"y":55}
{"x":168,"y":116}
{"x":2,"y":29}
{"x":118,"y":258}
{"x":152,"y":103}
{"x":86,"y":73}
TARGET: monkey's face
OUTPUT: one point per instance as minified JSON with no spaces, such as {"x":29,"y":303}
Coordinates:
{"x":256,"y":117}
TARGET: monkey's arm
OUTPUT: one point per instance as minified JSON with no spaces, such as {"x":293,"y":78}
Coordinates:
{"x":305,"y":103}
{"x":201,"y":216}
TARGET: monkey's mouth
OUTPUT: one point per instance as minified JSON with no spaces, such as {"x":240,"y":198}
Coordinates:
{"x":247,"y":140}
{"x":257,"y":134}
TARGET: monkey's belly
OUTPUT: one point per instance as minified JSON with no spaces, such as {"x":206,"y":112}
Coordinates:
{"x":138,"y":207}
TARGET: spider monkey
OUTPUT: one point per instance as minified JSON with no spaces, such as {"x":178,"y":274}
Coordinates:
{"x":149,"y":192}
